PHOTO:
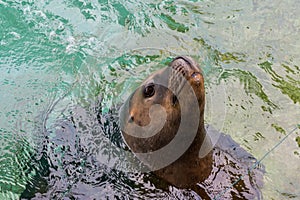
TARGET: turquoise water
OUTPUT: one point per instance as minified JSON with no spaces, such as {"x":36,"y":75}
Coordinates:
{"x":60,"y":59}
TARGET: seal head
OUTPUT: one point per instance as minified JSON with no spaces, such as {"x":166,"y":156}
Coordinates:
{"x":163,"y":123}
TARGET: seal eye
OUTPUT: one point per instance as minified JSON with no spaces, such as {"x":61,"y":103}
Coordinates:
{"x":149,"y":91}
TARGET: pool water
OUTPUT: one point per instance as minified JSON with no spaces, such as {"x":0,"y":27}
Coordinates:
{"x":76,"y":61}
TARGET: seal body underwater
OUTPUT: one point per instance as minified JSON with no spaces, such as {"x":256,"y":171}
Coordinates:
{"x":162,"y":123}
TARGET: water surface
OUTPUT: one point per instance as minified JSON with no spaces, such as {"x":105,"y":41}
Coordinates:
{"x":60,"y":59}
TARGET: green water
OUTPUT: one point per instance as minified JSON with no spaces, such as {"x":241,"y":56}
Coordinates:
{"x":60,"y":56}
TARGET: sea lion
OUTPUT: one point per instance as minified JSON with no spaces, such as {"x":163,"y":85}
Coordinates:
{"x":169,"y":106}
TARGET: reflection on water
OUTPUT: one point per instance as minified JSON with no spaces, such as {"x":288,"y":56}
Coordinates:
{"x":59,"y":58}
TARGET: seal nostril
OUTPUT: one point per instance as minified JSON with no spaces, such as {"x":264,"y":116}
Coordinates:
{"x":197,"y":77}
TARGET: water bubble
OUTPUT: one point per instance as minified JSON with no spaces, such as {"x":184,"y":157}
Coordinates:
{"x":60,"y":27}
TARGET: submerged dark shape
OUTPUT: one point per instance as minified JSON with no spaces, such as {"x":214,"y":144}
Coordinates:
{"x":163,"y":124}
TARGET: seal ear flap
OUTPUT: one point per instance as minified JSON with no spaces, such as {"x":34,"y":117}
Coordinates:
{"x":174,"y":100}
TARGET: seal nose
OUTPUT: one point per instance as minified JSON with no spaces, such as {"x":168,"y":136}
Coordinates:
{"x":197,"y":77}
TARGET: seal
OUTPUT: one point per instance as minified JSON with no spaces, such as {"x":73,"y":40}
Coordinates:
{"x":152,"y":120}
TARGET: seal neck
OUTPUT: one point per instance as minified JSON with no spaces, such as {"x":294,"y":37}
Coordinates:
{"x":202,"y":145}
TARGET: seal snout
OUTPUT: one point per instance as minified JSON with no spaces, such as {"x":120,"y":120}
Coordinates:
{"x":184,"y":70}
{"x":185,"y":65}
{"x":180,"y":65}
